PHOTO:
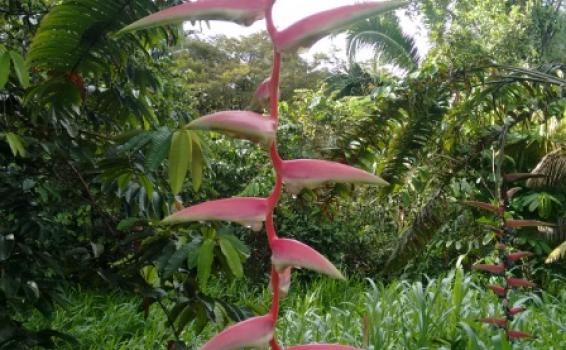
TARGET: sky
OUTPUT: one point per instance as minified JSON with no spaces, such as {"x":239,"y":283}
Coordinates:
{"x":286,"y":12}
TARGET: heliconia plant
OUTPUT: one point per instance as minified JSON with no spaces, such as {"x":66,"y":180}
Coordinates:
{"x":506,"y":233}
{"x":259,"y":332}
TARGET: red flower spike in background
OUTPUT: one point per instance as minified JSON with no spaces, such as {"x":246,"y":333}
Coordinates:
{"x":251,"y":333}
{"x":499,"y":322}
{"x":312,"y":173}
{"x":247,"y":211}
{"x":498,"y":269}
{"x":506,"y":237}
{"x":520,"y":283}
{"x":246,"y":125}
{"x":309,"y":30}
{"x":258,"y":332}
{"x":290,"y":253}
{"x":244,"y":12}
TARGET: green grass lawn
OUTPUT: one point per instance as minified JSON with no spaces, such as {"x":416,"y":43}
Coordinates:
{"x":438,"y":314}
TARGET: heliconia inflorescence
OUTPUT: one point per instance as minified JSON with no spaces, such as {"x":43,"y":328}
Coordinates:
{"x":259,"y":332}
{"x":506,"y":233}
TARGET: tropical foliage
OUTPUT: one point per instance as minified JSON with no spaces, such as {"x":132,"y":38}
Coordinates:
{"x":96,"y":149}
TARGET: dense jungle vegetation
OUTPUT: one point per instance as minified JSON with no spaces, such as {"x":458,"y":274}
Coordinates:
{"x":90,"y":165}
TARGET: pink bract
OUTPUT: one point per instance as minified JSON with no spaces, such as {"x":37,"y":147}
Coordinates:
{"x":290,"y":253}
{"x":309,"y":30}
{"x":312,"y":173}
{"x":242,"y":124}
{"x":248,"y":211}
{"x":244,"y":12}
{"x":499,"y":268}
{"x":251,"y":333}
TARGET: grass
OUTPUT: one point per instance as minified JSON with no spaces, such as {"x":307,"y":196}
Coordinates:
{"x":433,"y":314}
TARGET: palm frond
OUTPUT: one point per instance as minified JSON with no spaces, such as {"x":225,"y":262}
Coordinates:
{"x":553,"y":165}
{"x":558,"y":253}
{"x":385,"y":36}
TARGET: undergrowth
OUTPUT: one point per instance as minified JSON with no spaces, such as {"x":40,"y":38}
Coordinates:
{"x":430,"y":314}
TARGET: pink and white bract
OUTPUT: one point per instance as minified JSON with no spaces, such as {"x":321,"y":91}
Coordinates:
{"x":244,"y":12}
{"x":290,"y":253}
{"x":309,"y":30}
{"x":312,"y":173}
{"x":255,"y":332}
{"x":247,"y":211}
{"x":242,"y":124}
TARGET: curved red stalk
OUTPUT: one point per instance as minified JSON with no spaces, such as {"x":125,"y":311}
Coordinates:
{"x":277,"y":165}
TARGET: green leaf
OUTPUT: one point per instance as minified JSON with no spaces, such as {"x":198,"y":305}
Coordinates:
{"x":16,"y":144}
{"x":20,"y":68}
{"x":176,"y":260}
{"x":4,"y":69}
{"x":6,"y":246}
{"x":148,"y":185}
{"x":160,"y":144}
{"x":232,"y":257}
{"x":204,"y":265}
{"x":179,"y":159}
{"x":197,"y":163}
{"x":127,"y":223}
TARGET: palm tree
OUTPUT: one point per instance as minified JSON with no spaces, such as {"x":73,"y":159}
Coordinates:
{"x":386,"y":37}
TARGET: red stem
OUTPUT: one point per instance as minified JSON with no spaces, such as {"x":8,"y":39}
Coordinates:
{"x":277,"y":165}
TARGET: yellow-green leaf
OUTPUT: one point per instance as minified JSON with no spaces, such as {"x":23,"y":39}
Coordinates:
{"x":179,"y":159}
{"x":204,"y":263}
{"x":197,"y":163}
{"x":232,"y":257}
{"x":557,"y":253}
{"x":16,"y":144}
{"x":4,"y":69}
{"x":20,"y":68}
